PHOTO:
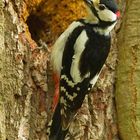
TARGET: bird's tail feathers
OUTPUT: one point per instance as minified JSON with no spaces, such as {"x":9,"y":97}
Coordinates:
{"x":55,"y":131}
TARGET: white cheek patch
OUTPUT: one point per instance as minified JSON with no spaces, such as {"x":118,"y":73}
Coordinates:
{"x":107,"y":15}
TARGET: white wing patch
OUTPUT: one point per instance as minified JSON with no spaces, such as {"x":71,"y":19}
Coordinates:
{"x":78,"y":47}
{"x":58,"y":48}
{"x":94,"y":80}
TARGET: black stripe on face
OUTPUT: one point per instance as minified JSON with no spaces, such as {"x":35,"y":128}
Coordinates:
{"x":110,"y":4}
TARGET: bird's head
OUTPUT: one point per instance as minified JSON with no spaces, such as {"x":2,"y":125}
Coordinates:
{"x":103,"y":10}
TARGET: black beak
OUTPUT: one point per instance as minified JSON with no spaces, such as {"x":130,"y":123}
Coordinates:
{"x":89,"y":2}
{"x":92,"y":7}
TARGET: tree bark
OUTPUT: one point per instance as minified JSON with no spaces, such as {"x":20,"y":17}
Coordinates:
{"x":128,"y":73}
{"x":22,"y":113}
{"x":27,"y":31}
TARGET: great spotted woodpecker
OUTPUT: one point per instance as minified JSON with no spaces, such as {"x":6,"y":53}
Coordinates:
{"x":78,"y":57}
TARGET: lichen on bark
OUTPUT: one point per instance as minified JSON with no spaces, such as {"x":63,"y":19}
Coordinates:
{"x":128,"y":73}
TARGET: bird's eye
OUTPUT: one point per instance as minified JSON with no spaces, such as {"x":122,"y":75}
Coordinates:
{"x":102,"y":6}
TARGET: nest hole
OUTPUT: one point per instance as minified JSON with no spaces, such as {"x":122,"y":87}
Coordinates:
{"x":36,"y":26}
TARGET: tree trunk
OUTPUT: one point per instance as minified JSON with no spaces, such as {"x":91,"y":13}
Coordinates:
{"x":128,"y":73}
{"x":22,"y":102}
{"x":27,"y":31}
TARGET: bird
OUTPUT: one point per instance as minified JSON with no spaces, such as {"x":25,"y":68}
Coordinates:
{"x":77,"y":57}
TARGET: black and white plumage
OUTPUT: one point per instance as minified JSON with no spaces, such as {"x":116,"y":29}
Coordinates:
{"x":78,"y":57}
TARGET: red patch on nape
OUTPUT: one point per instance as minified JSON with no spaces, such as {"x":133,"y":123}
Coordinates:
{"x":118,"y":14}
